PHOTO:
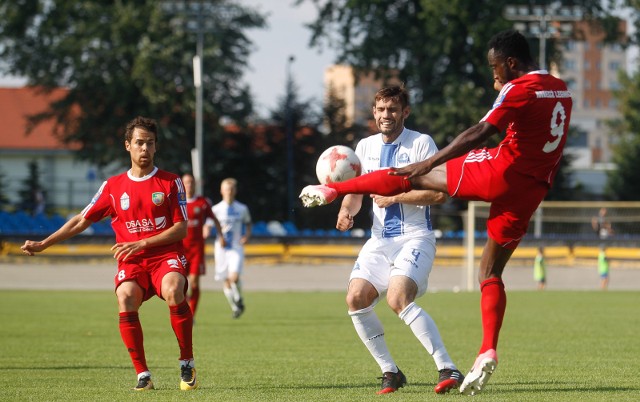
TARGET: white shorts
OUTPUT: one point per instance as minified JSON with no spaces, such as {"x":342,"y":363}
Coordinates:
{"x":380,"y":259}
{"x":228,"y":261}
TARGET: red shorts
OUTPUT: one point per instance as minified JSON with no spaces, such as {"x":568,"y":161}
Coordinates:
{"x":149,"y":271}
{"x":514,"y":197}
{"x":195,"y":259}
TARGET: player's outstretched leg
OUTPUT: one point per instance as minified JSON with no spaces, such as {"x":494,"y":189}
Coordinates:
{"x":480,"y":373}
{"x":391,"y":382}
{"x":318,"y":195}
{"x":448,"y":379}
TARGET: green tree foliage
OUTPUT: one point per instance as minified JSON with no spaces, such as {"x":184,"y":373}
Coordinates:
{"x":624,"y":182}
{"x":437,"y":46}
{"x":31,"y":193}
{"x":120,"y":59}
{"x":4,"y":199}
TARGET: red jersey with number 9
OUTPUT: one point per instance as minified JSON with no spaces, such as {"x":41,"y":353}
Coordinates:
{"x":141,"y":207}
{"x":535,"y":110}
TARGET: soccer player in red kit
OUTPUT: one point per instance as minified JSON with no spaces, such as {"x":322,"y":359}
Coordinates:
{"x":148,"y":211}
{"x":535,"y":109}
{"x":198,"y":211}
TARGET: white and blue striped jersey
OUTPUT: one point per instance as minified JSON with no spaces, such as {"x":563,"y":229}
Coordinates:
{"x":410,"y":147}
{"x":233,"y":217}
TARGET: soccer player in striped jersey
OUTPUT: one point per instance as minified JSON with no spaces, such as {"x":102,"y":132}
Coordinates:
{"x":397,"y":260}
{"x":534,"y":108}
{"x":148,"y":211}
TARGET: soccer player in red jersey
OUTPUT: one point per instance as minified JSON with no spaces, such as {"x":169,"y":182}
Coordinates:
{"x":148,"y":211}
{"x":198,"y":211}
{"x":535,"y":109}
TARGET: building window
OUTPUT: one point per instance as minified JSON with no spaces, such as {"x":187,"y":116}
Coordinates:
{"x":570,"y":65}
{"x":585,"y":103}
{"x":614,"y":84}
{"x":587,"y":65}
{"x":570,"y":45}
{"x":613,"y":103}
{"x":587,"y":84}
{"x":571,"y":84}
{"x":614,"y":65}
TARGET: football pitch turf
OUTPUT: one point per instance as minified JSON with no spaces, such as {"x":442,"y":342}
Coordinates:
{"x":301,"y":346}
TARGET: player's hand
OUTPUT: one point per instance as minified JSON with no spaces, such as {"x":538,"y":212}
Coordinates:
{"x":124,"y":250}
{"x":382,"y":201}
{"x":412,"y":170}
{"x":31,"y":247}
{"x":345,"y":220}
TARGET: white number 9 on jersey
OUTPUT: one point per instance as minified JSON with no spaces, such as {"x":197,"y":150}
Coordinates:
{"x":557,"y":129}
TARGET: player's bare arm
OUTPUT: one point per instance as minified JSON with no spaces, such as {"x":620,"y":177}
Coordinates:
{"x":413,"y":197}
{"x":72,"y":227}
{"x":245,"y":239}
{"x":172,"y":235}
{"x":350,"y":207}
{"x":469,"y":139}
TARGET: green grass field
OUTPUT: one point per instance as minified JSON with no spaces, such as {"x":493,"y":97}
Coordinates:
{"x":555,"y":346}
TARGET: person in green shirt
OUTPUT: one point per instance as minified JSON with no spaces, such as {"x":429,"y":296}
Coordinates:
{"x":603,"y":268}
{"x":540,"y":269}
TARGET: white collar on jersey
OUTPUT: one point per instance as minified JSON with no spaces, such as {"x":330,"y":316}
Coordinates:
{"x":143,"y":178}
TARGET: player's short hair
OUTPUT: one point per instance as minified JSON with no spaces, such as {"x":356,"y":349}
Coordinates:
{"x":396,"y":93}
{"x":230,"y":181}
{"x":143,"y":123}
{"x":511,"y":43}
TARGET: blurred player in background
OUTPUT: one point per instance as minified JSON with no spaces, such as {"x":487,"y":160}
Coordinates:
{"x":235,"y":221}
{"x":540,"y":269}
{"x":148,"y":212}
{"x":198,"y":211}
{"x":603,"y":268}
{"x":397,"y":259}
{"x":535,"y":110}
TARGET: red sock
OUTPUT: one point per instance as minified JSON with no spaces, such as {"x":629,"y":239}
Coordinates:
{"x":193,"y":300}
{"x":493,"y":303}
{"x":377,"y":182}
{"x":131,"y":333}
{"x":182,"y":324}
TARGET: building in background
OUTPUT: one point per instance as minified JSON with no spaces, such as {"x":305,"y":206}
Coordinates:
{"x":590,"y":67}
{"x":67,"y":183}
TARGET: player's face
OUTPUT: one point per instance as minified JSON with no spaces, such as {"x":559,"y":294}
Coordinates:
{"x":228,"y":191}
{"x":142,"y":148}
{"x":501,"y":67}
{"x":189,"y":185}
{"x":389,"y":116}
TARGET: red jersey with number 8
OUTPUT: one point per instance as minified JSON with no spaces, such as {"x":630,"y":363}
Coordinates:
{"x":141,"y":207}
{"x":535,"y":110}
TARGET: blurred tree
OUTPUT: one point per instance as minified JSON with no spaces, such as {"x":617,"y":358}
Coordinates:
{"x":438,"y":47}
{"x":120,"y":59}
{"x":4,"y":199}
{"x":32,"y":196}
{"x":624,"y":182}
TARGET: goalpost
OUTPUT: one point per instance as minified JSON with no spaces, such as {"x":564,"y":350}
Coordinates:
{"x":576,"y":225}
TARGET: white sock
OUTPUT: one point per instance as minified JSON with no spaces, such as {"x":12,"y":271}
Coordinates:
{"x":143,"y":374}
{"x":369,"y":328}
{"x":425,"y":329}
{"x":228,"y":293}
{"x":188,"y":362}
{"x":235,"y":291}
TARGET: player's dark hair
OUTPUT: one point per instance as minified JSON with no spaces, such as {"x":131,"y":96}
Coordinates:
{"x":511,"y":43}
{"x":143,"y":123}
{"x":396,"y":93}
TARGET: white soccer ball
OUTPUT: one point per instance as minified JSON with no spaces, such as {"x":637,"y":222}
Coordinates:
{"x":337,"y":163}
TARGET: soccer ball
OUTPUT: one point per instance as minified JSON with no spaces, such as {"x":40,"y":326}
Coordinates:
{"x":337,"y":163}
